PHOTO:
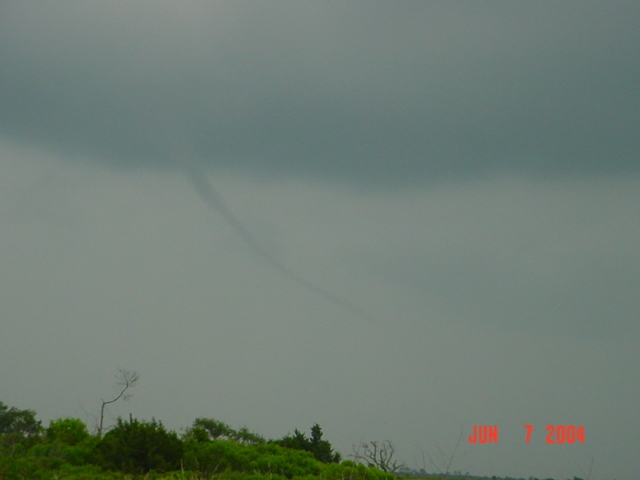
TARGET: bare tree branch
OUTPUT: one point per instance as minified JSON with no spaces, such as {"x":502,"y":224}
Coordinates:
{"x":453,"y":454}
{"x":126,"y":380}
{"x":377,"y":454}
{"x":445,"y":459}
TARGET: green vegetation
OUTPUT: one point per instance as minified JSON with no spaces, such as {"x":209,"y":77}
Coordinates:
{"x":208,"y":450}
{"x":321,"y":449}
{"x":138,"y":449}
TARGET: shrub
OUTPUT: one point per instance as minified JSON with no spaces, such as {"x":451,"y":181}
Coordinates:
{"x":265,"y":459}
{"x":321,"y":449}
{"x":14,"y":420}
{"x":70,"y":431}
{"x":355,"y":471}
{"x":137,"y":447}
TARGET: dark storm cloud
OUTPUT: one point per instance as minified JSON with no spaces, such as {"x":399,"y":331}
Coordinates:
{"x":371,"y":93}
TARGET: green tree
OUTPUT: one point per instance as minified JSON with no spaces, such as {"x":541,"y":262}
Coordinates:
{"x":215,"y":429}
{"x":321,"y":449}
{"x":225,"y":456}
{"x":210,"y":429}
{"x":245,"y":436}
{"x":70,"y":431}
{"x":66,"y":441}
{"x":136,"y":447}
{"x":23,"y":422}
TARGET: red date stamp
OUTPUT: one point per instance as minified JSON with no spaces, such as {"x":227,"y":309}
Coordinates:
{"x":484,"y":434}
{"x":560,"y":434}
{"x":557,"y":434}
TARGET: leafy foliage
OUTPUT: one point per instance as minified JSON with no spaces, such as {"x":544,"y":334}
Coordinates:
{"x":137,"y":450}
{"x":139,"y":446}
{"x":70,"y":431}
{"x":211,"y":429}
{"x":13,"y":420}
{"x":216,"y":456}
{"x":56,"y":454}
{"x":321,"y":449}
{"x":354,"y":471}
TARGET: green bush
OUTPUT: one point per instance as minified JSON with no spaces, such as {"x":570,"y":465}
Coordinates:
{"x":229,"y":456}
{"x":271,"y":458}
{"x":141,"y":450}
{"x":354,"y":471}
{"x":70,"y":431}
{"x":136,"y":447}
{"x":321,"y":449}
{"x":82,"y":454}
{"x":212,"y":429}
{"x":13,"y":420}
{"x":46,"y":468}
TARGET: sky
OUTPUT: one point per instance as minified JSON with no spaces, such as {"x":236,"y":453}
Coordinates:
{"x":394,"y":219}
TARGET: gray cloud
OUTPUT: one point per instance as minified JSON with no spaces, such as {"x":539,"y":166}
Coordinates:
{"x":370,"y":95}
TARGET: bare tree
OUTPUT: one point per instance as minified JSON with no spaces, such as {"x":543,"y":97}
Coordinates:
{"x":590,"y":468}
{"x":126,"y":380}
{"x":587,"y":474}
{"x":445,"y":459}
{"x":377,"y":454}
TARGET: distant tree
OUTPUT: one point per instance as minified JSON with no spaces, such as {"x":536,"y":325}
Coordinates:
{"x":378,"y":454}
{"x":204,"y":429}
{"x":19,"y":430}
{"x":22,"y":422}
{"x":247,"y":437}
{"x":65,"y":441}
{"x":297,"y":441}
{"x":70,"y":431}
{"x":215,"y":429}
{"x":136,"y":447}
{"x":445,"y":459}
{"x":125,"y":380}
{"x":321,"y":449}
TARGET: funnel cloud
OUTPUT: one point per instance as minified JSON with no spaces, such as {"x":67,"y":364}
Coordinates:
{"x":201,"y":184}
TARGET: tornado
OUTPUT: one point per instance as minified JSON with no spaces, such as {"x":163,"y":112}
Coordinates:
{"x":198,"y":179}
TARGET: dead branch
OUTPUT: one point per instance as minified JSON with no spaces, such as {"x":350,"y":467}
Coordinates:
{"x":377,"y":454}
{"x":126,"y":380}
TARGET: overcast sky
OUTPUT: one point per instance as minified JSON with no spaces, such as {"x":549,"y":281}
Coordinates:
{"x":392,"y":219}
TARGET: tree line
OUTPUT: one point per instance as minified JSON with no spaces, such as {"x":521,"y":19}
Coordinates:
{"x":135,"y":448}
